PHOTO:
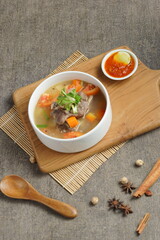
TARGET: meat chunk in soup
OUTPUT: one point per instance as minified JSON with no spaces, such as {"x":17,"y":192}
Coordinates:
{"x":60,"y":114}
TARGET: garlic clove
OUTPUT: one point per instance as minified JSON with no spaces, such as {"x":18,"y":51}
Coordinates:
{"x":139,"y":163}
{"x":123,"y":180}
{"x":94,"y":200}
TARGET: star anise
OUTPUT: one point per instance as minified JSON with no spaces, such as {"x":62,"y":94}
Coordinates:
{"x":117,"y":205}
{"x":114,"y":204}
{"x":125,"y":209}
{"x":127,"y":187}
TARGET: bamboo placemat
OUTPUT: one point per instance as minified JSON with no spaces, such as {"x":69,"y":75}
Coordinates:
{"x":75,"y":175}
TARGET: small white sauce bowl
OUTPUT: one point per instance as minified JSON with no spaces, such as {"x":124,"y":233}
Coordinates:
{"x":85,"y":141}
{"x":112,"y":52}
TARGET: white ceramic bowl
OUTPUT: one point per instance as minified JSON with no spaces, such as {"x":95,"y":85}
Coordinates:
{"x":114,"y":51}
{"x":74,"y":144}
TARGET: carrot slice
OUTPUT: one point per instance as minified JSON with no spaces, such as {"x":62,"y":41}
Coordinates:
{"x":100,"y":114}
{"x":72,"y":122}
{"x":72,"y":134}
{"x":77,"y":84}
{"x":91,"y":117}
{"x":90,"y":89}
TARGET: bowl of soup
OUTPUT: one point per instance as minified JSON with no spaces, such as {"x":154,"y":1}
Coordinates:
{"x":70,"y":111}
{"x":119,"y":64}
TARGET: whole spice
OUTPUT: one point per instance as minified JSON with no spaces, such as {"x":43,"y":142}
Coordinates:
{"x":149,"y":181}
{"x":139,"y":163}
{"x":125,"y":209}
{"x":123,"y":180}
{"x":114,"y":203}
{"x":117,"y":205}
{"x":94,"y":200}
{"x":127,"y":187}
{"x":148,"y":193}
{"x":143,"y":223}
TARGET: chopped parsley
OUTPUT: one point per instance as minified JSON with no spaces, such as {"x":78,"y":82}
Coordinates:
{"x":69,"y":100}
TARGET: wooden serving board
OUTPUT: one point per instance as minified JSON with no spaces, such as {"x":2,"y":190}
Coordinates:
{"x":135,"y":104}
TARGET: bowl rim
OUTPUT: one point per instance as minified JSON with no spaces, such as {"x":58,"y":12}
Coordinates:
{"x":114,"y":51}
{"x":84,"y":135}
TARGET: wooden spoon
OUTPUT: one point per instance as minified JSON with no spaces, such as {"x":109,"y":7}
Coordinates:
{"x":16,"y":187}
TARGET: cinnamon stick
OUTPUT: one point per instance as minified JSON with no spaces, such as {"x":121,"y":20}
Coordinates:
{"x":143,"y":223}
{"x":149,"y":181}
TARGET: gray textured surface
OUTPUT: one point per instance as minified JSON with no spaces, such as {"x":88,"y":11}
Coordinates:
{"x":36,"y":37}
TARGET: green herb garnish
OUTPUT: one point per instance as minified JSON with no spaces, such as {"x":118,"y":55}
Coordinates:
{"x":69,"y":100}
{"x":41,"y":125}
{"x":46,"y":116}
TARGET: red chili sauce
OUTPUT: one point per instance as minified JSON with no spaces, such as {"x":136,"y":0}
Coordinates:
{"x":117,"y":69}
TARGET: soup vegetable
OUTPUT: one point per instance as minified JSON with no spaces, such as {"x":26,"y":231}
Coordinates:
{"x":69,"y":109}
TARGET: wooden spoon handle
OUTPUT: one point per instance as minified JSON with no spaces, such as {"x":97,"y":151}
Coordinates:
{"x":58,"y":206}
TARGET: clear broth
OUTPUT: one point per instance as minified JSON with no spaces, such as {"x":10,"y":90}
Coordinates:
{"x":47,"y":124}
